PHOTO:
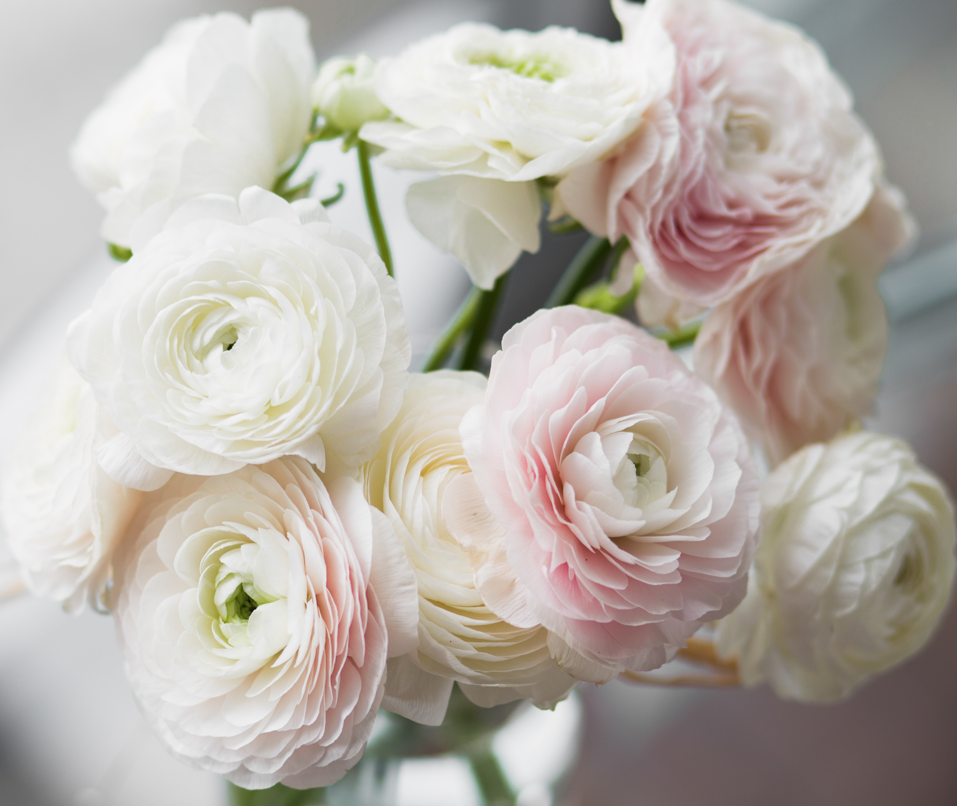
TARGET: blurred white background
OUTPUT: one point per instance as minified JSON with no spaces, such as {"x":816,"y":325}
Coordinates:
{"x":69,"y":730}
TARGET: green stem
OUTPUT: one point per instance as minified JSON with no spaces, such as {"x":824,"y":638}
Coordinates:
{"x":492,"y":783}
{"x":453,"y":332}
{"x":682,"y":337}
{"x":595,"y":251}
{"x":372,"y":206}
{"x":483,"y":319}
{"x":331,"y":200}
{"x":277,"y":795}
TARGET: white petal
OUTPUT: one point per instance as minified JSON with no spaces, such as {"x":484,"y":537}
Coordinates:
{"x":485,"y":223}
{"x":414,"y":693}
{"x":126,"y":466}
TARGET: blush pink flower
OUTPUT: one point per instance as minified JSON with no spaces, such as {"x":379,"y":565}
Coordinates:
{"x":755,"y":157}
{"x":256,"y":611}
{"x":623,"y":504}
{"x":799,"y":354}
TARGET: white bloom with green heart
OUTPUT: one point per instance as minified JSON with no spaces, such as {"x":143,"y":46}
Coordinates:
{"x":256,"y":612}
{"x":508,"y":106}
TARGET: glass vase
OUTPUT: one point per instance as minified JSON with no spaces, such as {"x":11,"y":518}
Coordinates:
{"x":510,"y":755}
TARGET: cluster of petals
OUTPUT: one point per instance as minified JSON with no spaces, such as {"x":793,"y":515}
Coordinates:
{"x":460,"y":638}
{"x":63,"y":516}
{"x":218,"y":106}
{"x":753,"y":158}
{"x":243,"y":331}
{"x":622,"y":502}
{"x":256,"y":612}
{"x":492,"y":111}
{"x":853,"y":573}
{"x":799,"y":353}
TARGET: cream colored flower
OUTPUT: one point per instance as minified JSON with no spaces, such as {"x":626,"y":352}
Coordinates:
{"x":244,"y":331}
{"x":218,"y":106}
{"x":63,"y":515}
{"x":460,"y":639}
{"x":853,"y":572}
{"x":256,"y":612}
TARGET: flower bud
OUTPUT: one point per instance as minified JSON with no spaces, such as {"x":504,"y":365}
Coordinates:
{"x":344,"y":93}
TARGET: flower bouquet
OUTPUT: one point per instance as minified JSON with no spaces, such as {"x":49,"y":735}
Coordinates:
{"x":660,"y":470}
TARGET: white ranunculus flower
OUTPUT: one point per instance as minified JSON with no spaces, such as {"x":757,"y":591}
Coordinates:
{"x":853,"y":571}
{"x":460,"y":639}
{"x":256,"y":612}
{"x":63,"y":515}
{"x":512,"y":106}
{"x":218,"y":106}
{"x":344,"y":93}
{"x":245,"y":330}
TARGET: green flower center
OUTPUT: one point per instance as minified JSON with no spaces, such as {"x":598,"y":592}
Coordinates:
{"x":539,"y":67}
{"x":239,"y":607}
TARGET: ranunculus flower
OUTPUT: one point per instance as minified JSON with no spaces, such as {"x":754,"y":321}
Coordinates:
{"x":755,"y":157}
{"x":799,"y":353}
{"x":622,"y":492}
{"x":218,"y":106}
{"x":460,"y":638}
{"x":245,"y":330}
{"x":63,"y":515}
{"x":256,"y":612}
{"x":510,"y":106}
{"x":344,"y":93}
{"x":854,"y":569}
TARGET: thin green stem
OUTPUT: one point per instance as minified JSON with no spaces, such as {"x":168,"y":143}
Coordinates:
{"x":453,"y":331}
{"x":592,"y":255}
{"x":372,"y":205}
{"x":331,"y":200}
{"x":492,"y":783}
{"x":482,"y":323}
{"x":681,"y":337}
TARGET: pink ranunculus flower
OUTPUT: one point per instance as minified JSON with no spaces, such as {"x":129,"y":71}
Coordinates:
{"x":256,"y":611}
{"x":623,"y":503}
{"x":799,"y":354}
{"x":755,"y":157}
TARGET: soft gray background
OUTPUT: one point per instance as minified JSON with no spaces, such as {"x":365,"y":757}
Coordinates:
{"x":69,"y":731}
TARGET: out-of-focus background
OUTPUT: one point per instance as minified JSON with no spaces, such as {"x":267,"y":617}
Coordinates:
{"x":69,"y":730}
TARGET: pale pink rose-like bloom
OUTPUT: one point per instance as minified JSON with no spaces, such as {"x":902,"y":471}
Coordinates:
{"x":755,"y":157}
{"x":800,"y":353}
{"x":256,"y":612}
{"x":612,"y":498}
